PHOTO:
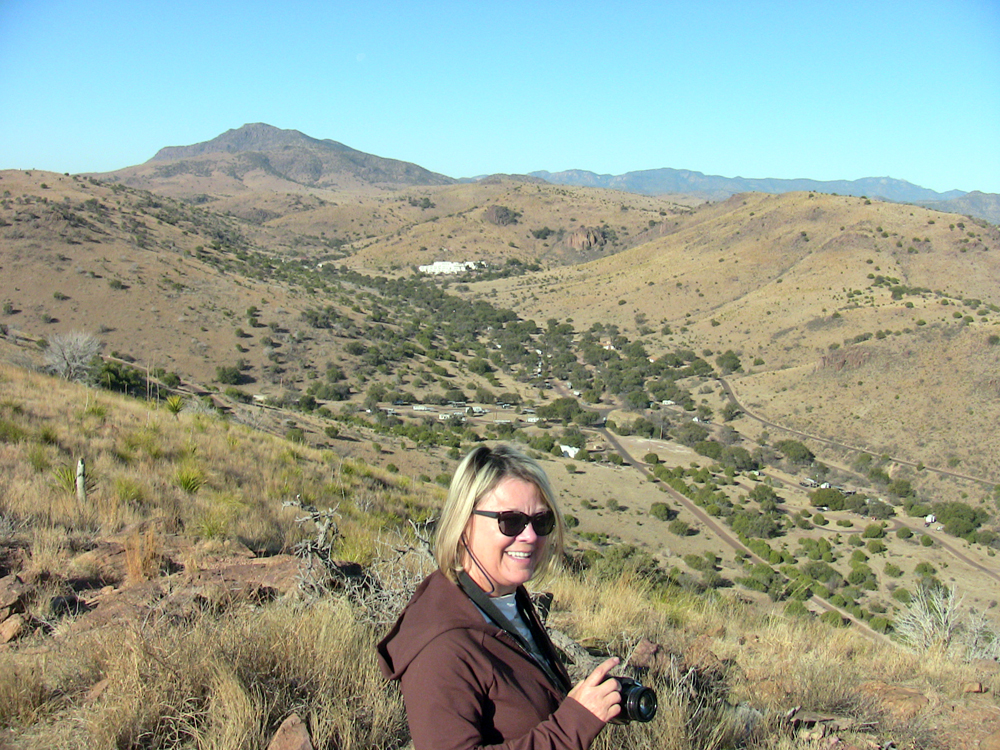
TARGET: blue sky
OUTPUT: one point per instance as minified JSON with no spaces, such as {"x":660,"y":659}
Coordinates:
{"x":810,"y":88}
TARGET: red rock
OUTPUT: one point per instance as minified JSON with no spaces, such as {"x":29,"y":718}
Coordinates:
{"x":291,"y":735}
{"x":974,"y":687}
{"x":644,"y":654}
{"x":903,"y":703}
{"x":13,"y":591}
{"x":11,"y":628}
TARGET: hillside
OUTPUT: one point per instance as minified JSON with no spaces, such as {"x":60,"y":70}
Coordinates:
{"x":712,"y":362}
{"x":182,"y":601}
{"x":868,"y":322}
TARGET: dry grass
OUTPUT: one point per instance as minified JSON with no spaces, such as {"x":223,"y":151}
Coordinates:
{"x":226,"y":679}
{"x":212,"y":683}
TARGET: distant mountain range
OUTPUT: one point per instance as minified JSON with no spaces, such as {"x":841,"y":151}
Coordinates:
{"x":714,"y":187}
{"x":287,"y":157}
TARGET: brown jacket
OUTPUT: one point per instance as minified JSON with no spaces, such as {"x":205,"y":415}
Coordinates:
{"x":468,"y":684}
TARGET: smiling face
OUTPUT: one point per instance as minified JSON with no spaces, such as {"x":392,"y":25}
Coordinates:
{"x":506,"y":561}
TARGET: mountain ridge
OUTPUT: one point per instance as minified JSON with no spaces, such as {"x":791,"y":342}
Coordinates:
{"x":259,"y":156}
{"x":668,"y":180}
{"x":251,"y":137}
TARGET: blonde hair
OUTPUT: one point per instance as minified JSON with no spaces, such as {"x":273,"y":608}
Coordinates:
{"x":477,"y":475}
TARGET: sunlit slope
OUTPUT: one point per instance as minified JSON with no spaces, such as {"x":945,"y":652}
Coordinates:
{"x":869,"y":322}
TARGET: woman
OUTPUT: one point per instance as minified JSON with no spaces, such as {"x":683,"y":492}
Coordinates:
{"x":475,"y":665}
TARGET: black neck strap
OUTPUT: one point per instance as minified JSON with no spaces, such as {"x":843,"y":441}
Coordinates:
{"x":548,"y":663}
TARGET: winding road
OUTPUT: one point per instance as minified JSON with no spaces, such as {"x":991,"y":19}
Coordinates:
{"x":728,"y":538}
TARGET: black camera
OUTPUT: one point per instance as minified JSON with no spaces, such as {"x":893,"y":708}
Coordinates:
{"x":638,"y":702}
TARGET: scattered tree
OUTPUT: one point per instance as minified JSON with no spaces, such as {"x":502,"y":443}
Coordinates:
{"x":72,"y":355}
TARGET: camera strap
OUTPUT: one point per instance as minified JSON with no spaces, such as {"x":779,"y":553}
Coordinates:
{"x":549,"y":662}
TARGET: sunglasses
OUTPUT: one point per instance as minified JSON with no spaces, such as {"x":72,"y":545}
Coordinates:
{"x":513,"y":522}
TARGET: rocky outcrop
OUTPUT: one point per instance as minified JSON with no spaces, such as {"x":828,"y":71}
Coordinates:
{"x":186,"y":579}
{"x":585,"y":238}
{"x":845,"y":359}
{"x":501,"y":215}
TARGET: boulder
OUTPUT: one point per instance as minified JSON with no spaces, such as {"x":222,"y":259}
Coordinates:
{"x":12,"y":628}
{"x":291,"y":735}
{"x":903,"y":703}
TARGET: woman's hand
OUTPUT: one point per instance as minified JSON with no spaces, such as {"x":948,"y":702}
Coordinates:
{"x":598,"y":694}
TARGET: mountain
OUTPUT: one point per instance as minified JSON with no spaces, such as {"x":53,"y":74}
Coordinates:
{"x":981,"y":205}
{"x":263,"y":158}
{"x":714,"y":187}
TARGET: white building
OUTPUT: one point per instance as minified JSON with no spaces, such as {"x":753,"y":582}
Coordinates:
{"x":448,"y":267}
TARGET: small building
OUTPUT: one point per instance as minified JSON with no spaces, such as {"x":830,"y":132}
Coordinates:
{"x":439,"y":267}
{"x":568,"y":450}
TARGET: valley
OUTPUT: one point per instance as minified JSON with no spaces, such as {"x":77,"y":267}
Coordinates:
{"x":751,"y":408}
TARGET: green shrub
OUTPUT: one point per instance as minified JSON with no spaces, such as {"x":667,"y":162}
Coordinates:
{"x":795,"y":608}
{"x":695,"y":562}
{"x":833,"y":619}
{"x":678,"y":527}
{"x":904,"y":532}
{"x":876,"y":546}
{"x":880,"y":624}
{"x":229,"y":375}
{"x":925,"y":569}
{"x":926,"y":541}
{"x":660,"y":511}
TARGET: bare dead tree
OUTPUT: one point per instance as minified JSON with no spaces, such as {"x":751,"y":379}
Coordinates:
{"x":72,"y":355}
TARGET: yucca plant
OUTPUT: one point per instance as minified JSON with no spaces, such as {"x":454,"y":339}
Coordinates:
{"x":64,"y":479}
{"x":174,"y":404}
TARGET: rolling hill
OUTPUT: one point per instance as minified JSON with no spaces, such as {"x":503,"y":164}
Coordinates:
{"x":868,"y":328}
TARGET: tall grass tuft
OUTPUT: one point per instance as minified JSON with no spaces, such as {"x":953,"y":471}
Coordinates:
{"x":189,"y":479}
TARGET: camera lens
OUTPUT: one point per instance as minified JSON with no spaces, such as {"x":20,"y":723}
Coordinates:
{"x":638,"y":702}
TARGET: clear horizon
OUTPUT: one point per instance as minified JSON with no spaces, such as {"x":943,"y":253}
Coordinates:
{"x":777,"y":89}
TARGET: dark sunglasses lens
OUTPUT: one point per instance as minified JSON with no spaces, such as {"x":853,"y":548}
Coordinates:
{"x":513,"y":522}
{"x":544,"y":522}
